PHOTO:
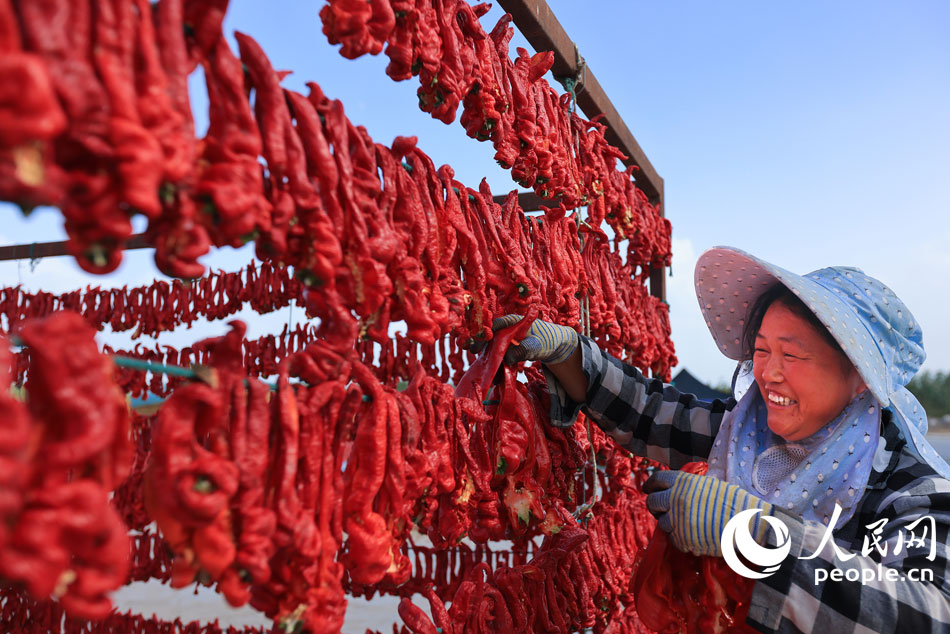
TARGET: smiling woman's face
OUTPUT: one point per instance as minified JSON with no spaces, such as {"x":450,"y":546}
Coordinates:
{"x":804,"y":380}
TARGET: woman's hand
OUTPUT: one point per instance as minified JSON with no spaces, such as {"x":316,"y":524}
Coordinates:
{"x":557,"y":347}
{"x":694,"y":510}
{"x":545,"y":342}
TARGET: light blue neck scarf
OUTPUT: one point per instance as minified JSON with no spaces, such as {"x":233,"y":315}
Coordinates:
{"x":806,"y":477}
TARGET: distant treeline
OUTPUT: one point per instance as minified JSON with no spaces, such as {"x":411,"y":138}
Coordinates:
{"x":932,"y":389}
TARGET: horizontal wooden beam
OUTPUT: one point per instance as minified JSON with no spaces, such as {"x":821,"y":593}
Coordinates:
{"x":38,"y":250}
{"x":528,"y":201}
{"x":658,"y":282}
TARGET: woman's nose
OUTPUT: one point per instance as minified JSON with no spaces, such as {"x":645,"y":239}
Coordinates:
{"x":772,"y":372}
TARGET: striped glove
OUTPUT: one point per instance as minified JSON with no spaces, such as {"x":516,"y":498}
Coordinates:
{"x":545,"y":342}
{"x":694,"y":510}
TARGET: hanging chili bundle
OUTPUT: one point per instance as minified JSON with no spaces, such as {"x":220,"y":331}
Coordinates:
{"x":205,"y":481}
{"x":519,"y":464}
{"x":682,"y":592}
{"x":66,"y":449}
{"x":178,"y":235}
{"x":162,"y":306}
{"x":30,"y":118}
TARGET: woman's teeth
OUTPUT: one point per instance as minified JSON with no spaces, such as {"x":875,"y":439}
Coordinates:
{"x":779,"y":400}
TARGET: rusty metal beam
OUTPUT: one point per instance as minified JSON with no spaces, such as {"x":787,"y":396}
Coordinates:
{"x":658,"y":283}
{"x":39,"y":250}
{"x":528,"y":201}
{"x":539,"y":25}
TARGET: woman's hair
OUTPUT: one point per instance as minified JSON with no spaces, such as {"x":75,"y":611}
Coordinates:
{"x":779,"y":293}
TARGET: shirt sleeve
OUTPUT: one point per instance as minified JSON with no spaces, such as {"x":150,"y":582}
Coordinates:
{"x":881,"y":588}
{"x":644,"y":416}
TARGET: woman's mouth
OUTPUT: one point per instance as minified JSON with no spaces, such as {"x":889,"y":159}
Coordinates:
{"x":778,"y":399}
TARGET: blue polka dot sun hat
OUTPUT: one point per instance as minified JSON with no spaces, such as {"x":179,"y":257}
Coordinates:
{"x":872,"y":325}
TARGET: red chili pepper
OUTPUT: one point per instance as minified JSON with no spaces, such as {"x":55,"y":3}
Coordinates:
{"x":362,"y":27}
{"x":368,"y":554}
{"x":86,"y":419}
{"x":229,"y":188}
{"x":15,"y":456}
{"x":138,"y":153}
{"x":31,"y":119}
{"x":60,"y":535}
{"x":415,"y":619}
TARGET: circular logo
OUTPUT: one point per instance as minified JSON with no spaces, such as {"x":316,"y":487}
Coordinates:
{"x":736,"y":536}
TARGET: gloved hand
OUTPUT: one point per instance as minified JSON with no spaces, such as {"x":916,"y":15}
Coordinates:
{"x":545,"y":342}
{"x":694,"y":510}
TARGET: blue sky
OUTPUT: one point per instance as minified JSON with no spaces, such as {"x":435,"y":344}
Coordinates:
{"x":807,"y":133}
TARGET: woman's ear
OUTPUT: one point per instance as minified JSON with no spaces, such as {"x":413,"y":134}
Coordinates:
{"x":859,"y":385}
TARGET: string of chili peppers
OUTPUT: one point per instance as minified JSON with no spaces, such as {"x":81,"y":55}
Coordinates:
{"x":19,"y":613}
{"x":507,"y":102}
{"x":161,"y":306}
{"x":64,"y":449}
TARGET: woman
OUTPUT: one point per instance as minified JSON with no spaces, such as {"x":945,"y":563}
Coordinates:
{"x":822,"y":435}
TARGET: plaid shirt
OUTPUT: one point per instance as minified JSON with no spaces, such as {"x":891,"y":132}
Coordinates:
{"x":653,"y":419}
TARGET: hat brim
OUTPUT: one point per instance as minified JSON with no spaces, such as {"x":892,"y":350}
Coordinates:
{"x":729,"y":281}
